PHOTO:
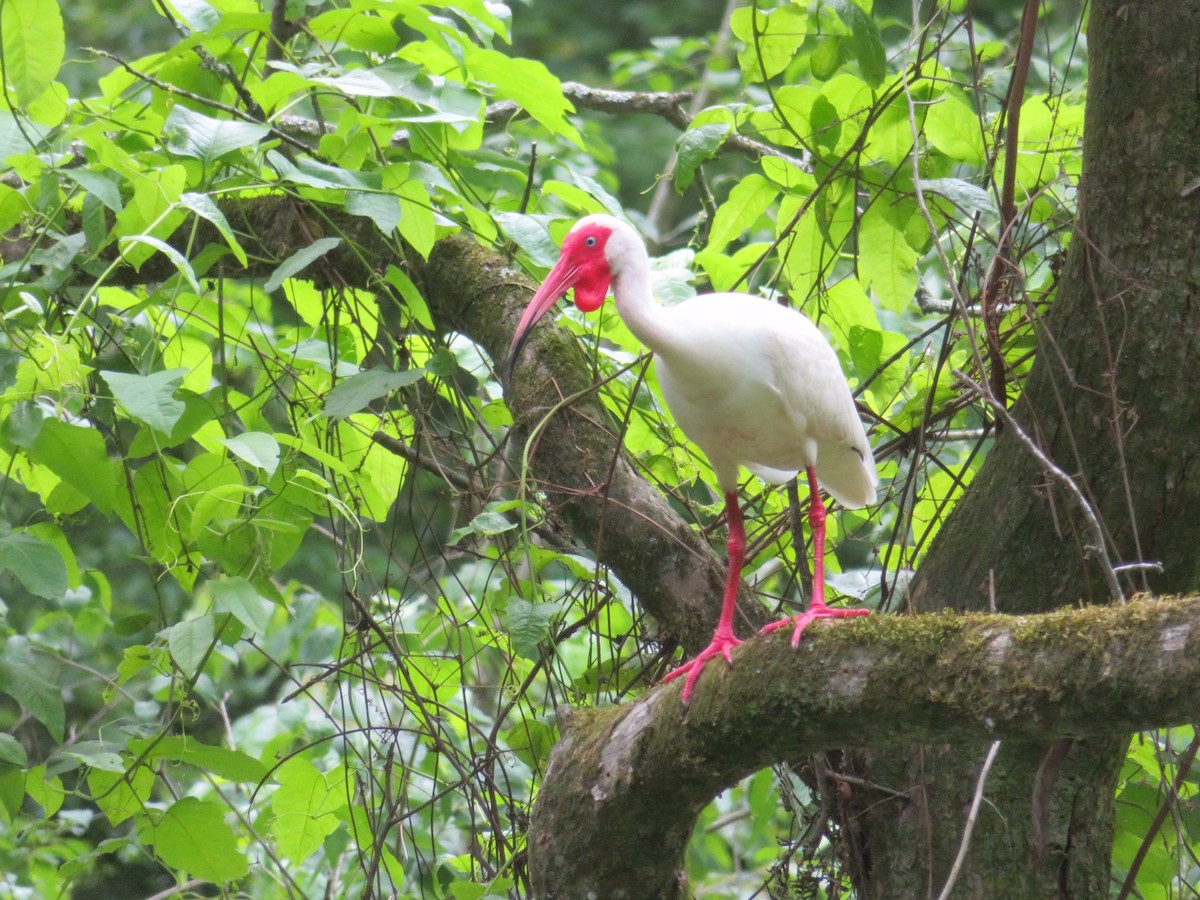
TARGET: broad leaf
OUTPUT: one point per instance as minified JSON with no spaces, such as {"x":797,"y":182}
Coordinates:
{"x":354,"y":393}
{"x":238,"y":596}
{"x":35,"y":563}
{"x":207,"y":139}
{"x":257,"y":448}
{"x":190,"y":641}
{"x":299,"y":261}
{"x":149,"y":398}
{"x":192,"y":835}
{"x":34,"y":44}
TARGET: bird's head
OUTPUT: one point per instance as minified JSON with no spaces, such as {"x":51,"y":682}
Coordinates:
{"x":593,"y":253}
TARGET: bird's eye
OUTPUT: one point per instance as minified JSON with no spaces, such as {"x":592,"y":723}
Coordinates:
{"x":590,"y":241}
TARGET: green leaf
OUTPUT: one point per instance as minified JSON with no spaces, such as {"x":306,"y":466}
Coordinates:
{"x":305,"y":807}
{"x":190,"y":641}
{"x":36,"y":564}
{"x":257,"y":448}
{"x":299,"y":261}
{"x":886,"y":262}
{"x":79,"y":457}
{"x":954,"y":129}
{"x":356,"y":392}
{"x":102,"y":185}
{"x":749,"y":199}
{"x":177,"y":259}
{"x":694,"y":147}
{"x":529,"y":624}
{"x":526,"y":82}
{"x":771,"y":39}
{"x":207,"y":139}
{"x":416,"y":217}
{"x":149,"y":398}
{"x":865,"y":40}
{"x":29,"y":687}
{"x":238,"y":596}
{"x":192,"y":835}
{"x":33,"y":48}
{"x":11,"y":751}
{"x":232,"y":765}
{"x":531,"y":235}
{"x":968,"y":197}
{"x":382,"y":209}
{"x":118,"y":795}
{"x":203,"y":206}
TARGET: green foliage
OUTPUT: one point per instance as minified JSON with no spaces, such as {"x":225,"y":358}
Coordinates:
{"x":275,"y":614}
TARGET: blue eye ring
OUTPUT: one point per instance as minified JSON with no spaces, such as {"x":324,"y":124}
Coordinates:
{"x":590,"y":240}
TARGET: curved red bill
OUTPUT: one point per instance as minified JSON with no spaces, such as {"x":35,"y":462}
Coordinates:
{"x":560,"y":280}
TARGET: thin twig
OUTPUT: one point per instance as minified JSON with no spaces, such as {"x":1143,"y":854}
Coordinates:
{"x":972,"y":816}
{"x":1181,"y":774}
{"x":1099,"y":544}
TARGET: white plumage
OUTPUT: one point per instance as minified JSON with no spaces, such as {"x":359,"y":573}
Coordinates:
{"x":751,"y":382}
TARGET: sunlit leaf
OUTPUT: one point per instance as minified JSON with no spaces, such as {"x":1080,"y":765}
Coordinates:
{"x":747,"y":201}
{"x":238,"y":596}
{"x":190,"y":133}
{"x":193,"y":835}
{"x":190,"y":641}
{"x":149,"y":398}
{"x":299,"y":261}
{"x":695,"y":146}
{"x":255,"y":447}
{"x":34,"y":45}
{"x":35,"y":563}
{"x":354,"y":393}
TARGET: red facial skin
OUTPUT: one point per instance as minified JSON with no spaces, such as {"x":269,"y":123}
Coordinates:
{"x":582,"y":266}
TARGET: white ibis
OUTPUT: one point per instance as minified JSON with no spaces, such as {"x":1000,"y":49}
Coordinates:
{"x":751,"y":382}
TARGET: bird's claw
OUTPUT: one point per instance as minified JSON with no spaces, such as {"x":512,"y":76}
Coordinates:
{"x":801,"y":621}
{"x":721,"y":645}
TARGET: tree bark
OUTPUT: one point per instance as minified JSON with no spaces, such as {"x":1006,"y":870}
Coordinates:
{"x":1111,"y":400}
{"x":626,"y":785}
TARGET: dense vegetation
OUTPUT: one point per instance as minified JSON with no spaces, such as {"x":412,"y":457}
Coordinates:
{"x":283,"y":611}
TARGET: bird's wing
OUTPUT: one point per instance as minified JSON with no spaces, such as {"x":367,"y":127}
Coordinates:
{"x":819,"y":401}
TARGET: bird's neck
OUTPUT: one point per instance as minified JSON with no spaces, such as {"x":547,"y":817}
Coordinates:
{"x":641,"y":313}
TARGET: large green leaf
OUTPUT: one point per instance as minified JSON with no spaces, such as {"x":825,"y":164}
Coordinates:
{"x":79,"y":457}
{"x":305,"y":807}
{"x":354,"y":393}
{"x":34,"y":44}
{"x":192,"y":835}
{"x":238,"y":596}
{"x":694,"y":147}
{"x":149,"y":398}
{"x":22,"y":680}
{"x":232,"y":765}
{"x":747,"y":201}
{"x":526,"y":82}
{"x":770,"y":38}
{"x":299,"y":261}
{"x":202,"y":137}
{"x":865,"y":41}
{"x":36,"y":564}
{"x":529,"y":624}
{"x":190,"y":642}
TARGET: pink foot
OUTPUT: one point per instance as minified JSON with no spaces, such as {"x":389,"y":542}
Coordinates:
{"x":721,"y":645}
{"x":818,"y":610}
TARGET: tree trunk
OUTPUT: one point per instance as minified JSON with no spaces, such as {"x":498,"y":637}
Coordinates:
{"x":1112,"y":401}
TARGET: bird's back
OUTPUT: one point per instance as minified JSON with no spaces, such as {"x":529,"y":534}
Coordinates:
{"x":756,"y":384}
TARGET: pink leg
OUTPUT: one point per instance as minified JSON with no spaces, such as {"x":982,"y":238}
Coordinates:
{"x":723,"y":640}
{"x":817,"y":609}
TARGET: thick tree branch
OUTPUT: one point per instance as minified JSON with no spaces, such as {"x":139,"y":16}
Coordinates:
{"x":625,"y":786}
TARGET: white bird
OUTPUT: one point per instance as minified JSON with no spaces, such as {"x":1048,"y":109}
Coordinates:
{"x":751,"y":382}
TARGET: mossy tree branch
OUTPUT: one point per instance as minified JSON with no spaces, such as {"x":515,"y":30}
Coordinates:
{"x":625,"y":786}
